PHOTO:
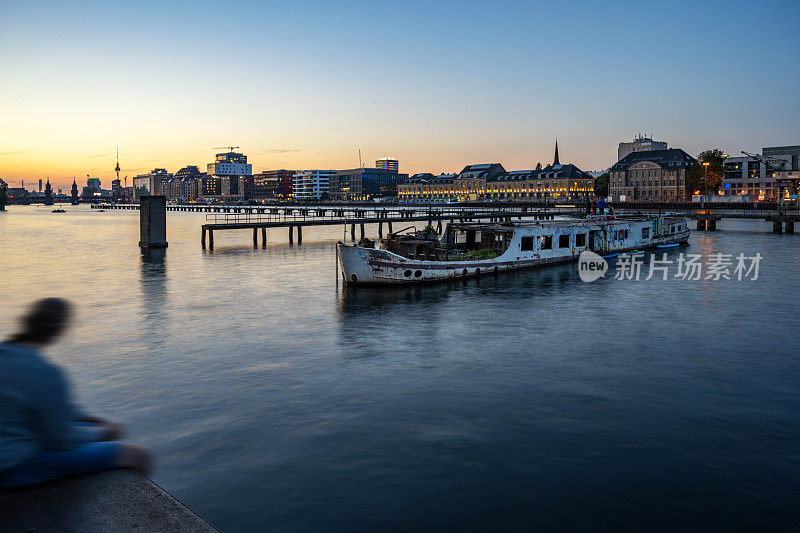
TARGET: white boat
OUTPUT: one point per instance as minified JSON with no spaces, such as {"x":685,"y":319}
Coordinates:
{"x":473,"y":249}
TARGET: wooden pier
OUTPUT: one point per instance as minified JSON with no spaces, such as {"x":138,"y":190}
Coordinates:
{"x":292,"y":219}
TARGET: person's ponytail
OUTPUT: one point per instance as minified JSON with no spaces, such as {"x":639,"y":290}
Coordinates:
{"x":44,"y":322}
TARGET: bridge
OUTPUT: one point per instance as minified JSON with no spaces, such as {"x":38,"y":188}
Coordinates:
{"x":707,"y":214}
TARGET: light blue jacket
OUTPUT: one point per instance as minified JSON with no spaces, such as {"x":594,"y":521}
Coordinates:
{"x":35,"y":408}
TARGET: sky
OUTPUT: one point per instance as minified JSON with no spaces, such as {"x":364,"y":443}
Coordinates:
{"x":437,"y":85}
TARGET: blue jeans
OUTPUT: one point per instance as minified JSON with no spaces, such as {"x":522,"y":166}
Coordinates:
{"x":47,"y":465}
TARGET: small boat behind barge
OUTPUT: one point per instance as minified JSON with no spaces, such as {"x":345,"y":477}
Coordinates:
{"x":472,"y":249}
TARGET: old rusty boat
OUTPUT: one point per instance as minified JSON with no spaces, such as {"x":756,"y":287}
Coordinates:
{"x":476,"y":248}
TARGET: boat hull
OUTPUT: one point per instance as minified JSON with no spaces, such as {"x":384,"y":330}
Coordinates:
{"x":370,"y":266}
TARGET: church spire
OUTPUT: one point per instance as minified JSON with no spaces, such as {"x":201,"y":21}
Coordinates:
{"x":555,"y":160}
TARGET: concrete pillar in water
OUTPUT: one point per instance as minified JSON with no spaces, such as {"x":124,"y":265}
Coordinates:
{"x":291,"y":234}
{"x":701,"y":224}
{"x":299,"y":234}
{"x":380,"y":230}
{"x":390,"y":226}
{"x":353,"y":231}
{"x":153,"y":222}
{"x":263,"y":237}
{"x":789,"y":225}
{"x":210,"y":239}
{"x":203,"y":238}
{"x":362,"y":230}
{"x":255,"y":237}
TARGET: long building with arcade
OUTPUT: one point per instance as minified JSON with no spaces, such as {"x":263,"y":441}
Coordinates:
{"x":490,"y":181}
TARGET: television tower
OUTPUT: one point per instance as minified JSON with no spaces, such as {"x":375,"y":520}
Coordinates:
{"x":116,"y":168}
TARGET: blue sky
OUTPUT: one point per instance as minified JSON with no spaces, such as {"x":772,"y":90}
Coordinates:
{"x":436,"y":84}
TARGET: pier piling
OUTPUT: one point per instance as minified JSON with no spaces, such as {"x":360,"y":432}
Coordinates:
{"x":210,"y":239}
{"x":299,"y":234}
{"x":777,"y":226}
{"x":263,"y":237}
{"x":291,"y":234}
{"x":153,"y":222}
{"x":353,"y":231}
{"x":255,"y":237}
{"x":362,"y":231}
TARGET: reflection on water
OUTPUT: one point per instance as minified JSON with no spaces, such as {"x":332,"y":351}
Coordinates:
{"x":153,"y":281}
{"x":274,"y":398}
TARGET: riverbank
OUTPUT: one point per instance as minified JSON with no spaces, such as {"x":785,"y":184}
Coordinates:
{"x":119,"y":500}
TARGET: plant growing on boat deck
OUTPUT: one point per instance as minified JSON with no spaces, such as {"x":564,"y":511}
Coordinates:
{"x":486,"y":253}
{"x":472,"y":255}
{"x":428,"y":229}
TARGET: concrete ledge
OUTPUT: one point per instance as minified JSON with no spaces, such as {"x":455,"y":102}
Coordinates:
{"x":119,"y":500}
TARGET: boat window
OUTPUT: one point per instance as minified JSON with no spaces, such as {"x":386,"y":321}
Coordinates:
{"x":580,"y":239}
{"x":645,"y":233}
{"x":563,"y":241}
{"x":527,"y":244}
{"x":547,"y":242}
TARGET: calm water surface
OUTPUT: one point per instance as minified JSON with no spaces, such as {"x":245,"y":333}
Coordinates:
{"x":275,"y":399}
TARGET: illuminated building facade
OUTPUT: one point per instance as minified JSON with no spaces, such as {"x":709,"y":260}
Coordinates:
{"x":230,"y":164}
{"x":211,"y":186}
{"x":150,"y":184}
{"x":748,"y":176}
{"x":274,"y":184}
{"x":186,"y":185}
{"x":362,"y":184}
{"x":312,"y":184}
{"x":388,"y":163}
{"x":657,"y":175}
{"x":490,"y":181}
{"x":230,"y":177}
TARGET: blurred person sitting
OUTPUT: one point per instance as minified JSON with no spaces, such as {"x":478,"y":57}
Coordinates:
{"x":42,"y":435}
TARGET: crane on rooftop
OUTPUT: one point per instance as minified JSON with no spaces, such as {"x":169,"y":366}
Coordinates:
{"x":229,"y":148}
{"x":770,"y":163}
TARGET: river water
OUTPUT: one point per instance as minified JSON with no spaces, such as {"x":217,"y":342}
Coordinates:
{"x":275,"y":399}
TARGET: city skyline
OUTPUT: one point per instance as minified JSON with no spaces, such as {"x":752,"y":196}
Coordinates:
{"x":437,"y":87}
